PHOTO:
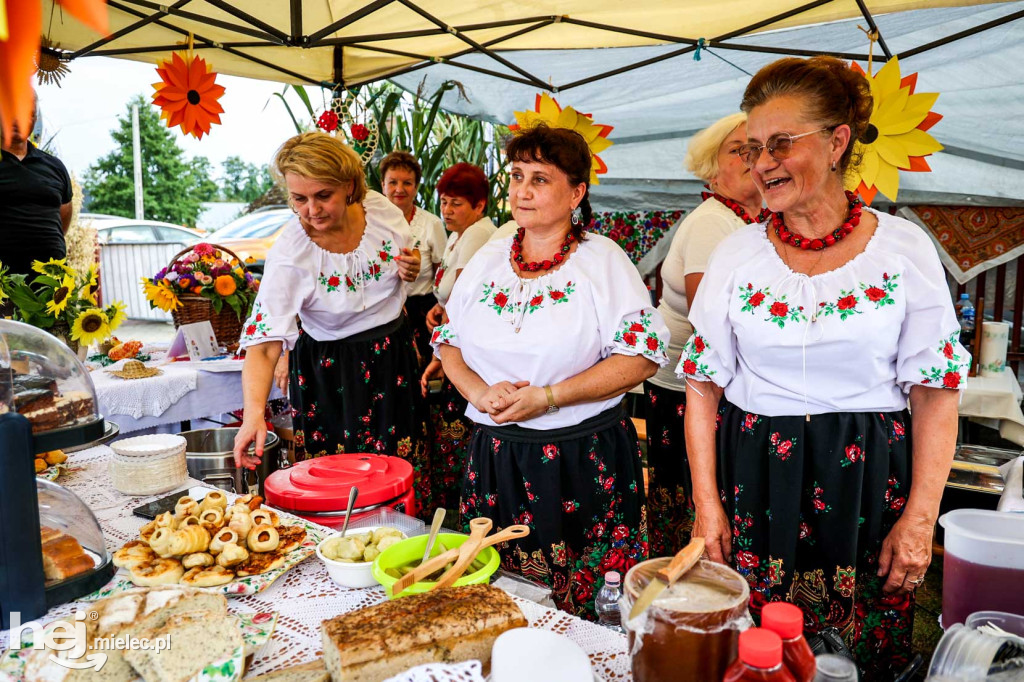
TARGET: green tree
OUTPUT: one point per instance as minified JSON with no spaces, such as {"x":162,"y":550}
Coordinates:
{"x":244,"y":181}
{"x":172,"y":187}
{"x":201,"y":171}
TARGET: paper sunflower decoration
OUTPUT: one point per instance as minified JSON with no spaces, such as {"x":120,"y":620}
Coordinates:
{"x":896,"y":139}
{"x":21,"y":24}
{"x":547,"y":110}
{"x":187,"y":94}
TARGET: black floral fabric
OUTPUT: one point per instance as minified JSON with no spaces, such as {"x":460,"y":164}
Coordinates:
{"x":580,"y":491}
{"x":451,"y":432}
{"x":362,"y":395}
{"x":669,"y":502}
{"x":416,"y":308}
{"x":810,"y":503}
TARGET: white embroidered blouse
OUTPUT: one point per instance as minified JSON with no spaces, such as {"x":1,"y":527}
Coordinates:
{"x":457,"y":252}
{"x":334,"y":294}
{"x":549,"y":329}
{"x":854,"y":339}
{"x":429,"y":237}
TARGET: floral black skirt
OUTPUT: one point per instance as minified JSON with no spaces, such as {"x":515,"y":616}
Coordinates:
{"x":362,"y":394}
{"x":669,"y":502}
{"x":811,"y":503}
{"x":579,"y":489}
{"x":451,"y":432}
{"x":417,"y":307}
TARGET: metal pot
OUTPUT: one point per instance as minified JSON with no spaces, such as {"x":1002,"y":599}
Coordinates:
{"x":208,"y":453}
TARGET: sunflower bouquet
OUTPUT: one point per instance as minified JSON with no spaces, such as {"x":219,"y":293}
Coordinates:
{"x":61,"y":300}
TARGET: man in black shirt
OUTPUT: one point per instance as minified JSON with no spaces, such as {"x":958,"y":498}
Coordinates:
{"x":35,"y":203}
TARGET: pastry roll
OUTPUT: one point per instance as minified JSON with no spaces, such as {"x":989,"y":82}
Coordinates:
{"x":262,"y":517}
{"x":166,"y":520}
{"x":214,"y":499}
{"x":160,"y":541}
{"x":231,"y":555}
{"x":241,"y":523}
{"x":188,"y":540}
{"x":213,"y":516}
{"x":189,"y":521}
{"x":263,"y":538}
{"x":186,"y":506}
{"x":197,"y":560}
{"x":225,"y":537}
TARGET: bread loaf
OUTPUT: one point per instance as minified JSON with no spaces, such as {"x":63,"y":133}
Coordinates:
{"x":63,"y":557}
{"x":447,"y":625}
{"x":198,"y":638}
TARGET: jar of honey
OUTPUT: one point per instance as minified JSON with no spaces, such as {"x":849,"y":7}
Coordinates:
{"x":691,"y":630}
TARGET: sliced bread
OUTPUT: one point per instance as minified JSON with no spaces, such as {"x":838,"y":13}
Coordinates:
{"x":197,"y":639}
{"x":314,"y":671}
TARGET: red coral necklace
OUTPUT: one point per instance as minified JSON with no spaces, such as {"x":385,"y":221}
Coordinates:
{"x":533,"y":266}
{"x":735,"y":207}
{"x":793,"y":239}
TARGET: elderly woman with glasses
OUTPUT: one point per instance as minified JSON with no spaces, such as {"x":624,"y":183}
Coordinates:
{"x":819,"y":326}
{"x":732,"y":202}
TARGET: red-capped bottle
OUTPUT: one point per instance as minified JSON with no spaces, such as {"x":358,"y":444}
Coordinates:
{"x":787,"y":621}
{"x":760,"y":659}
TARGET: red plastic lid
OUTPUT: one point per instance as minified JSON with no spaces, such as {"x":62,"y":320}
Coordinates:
{"x":760,"y":648}
{"x":322,"y":484}
{"x":784,"y":619}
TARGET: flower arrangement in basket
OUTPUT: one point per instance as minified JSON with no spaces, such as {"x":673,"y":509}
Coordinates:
{"x":62,"y":300}
{"x":205,"y":282}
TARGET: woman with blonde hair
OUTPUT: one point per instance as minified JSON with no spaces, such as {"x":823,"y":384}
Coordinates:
{"x":339,"y":268}
{"x":732,"y":202}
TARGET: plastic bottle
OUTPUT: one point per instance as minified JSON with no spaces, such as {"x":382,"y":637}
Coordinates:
{"x":966,"y":317}
{"x":787,"y":621}
{"x":760,"y":659}
{"x":833,"y":668}
{"x":607,"y":602}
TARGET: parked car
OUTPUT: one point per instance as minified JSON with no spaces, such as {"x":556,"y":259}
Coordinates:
{"x":121,"y":230}
{"x":252,"y":235}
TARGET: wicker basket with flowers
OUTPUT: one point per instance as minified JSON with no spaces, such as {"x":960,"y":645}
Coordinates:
{"x":205,"y":282}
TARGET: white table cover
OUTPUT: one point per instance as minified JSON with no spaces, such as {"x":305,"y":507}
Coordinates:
{"x":995,"y":401}
{"x":304,"y":596}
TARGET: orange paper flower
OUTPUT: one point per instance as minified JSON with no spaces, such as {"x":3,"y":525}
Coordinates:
{"x":187,"y":94}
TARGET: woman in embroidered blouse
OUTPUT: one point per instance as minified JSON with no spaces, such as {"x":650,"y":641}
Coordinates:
{"x":400,"y":174}
{"x":340,"y":266}
{"x":547,"y":329}
{"x":819,"y":325}
{"x":463,"y":190}
{"x":732,"y":203}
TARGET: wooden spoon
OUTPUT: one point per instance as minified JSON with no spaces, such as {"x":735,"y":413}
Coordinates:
{"x":680,"y":564}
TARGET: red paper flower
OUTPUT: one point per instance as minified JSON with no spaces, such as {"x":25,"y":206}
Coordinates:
{"x":360,"y":132}
{"x":328,"y":121}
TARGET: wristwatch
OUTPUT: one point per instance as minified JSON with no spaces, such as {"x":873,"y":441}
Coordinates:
{"x":552,"y":408}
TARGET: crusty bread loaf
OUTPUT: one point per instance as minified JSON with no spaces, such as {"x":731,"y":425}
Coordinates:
{"x":198,"y":638}
{"x":446,"y":625}
{"x":306,"y":672}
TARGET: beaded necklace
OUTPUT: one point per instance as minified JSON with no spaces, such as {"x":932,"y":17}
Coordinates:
{"x":533,"y":266}
{"x":735,"y":207}
{"x":793,"y":239}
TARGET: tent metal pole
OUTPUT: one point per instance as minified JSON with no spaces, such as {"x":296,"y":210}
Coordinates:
{"x":296,"y":18}
{"x":874,"y":27}
{"x":398,"y":35}
{"x":441,"y":60}
{"x":624,"y":69}
{"x":662,"y":37}
{"x":962,"y":34}
{"x":469,"y":41}
{"x":249,"y":19}
{"x":346,"y":20}
{"x":206,"y":21}
{"x":127,"y":29}
{"x":146,"y":50}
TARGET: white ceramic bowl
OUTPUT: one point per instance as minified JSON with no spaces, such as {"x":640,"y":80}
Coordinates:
{"x":349,"y":574}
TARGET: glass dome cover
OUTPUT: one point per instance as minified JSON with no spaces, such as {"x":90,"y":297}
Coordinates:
{"x":63,"y":511}
{"x":41,"y":379}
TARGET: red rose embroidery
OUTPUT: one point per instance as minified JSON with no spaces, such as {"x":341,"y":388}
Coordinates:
{"x":636,"y":327}
{"x":854,"y":453}
{"x":536,"y":301}
{"x":785,"y":446}
{"x":897,"y":428}
{"x":779,"y":309}
{"x":819,"y":505}
{"x":947,"y":351}
{"x":360,"y":132}
{"x":846,"y":303}
{"x":435,"y":337}
{"x":383,"y":255}
{"x":500,"y":300}
{"x":749,"y":421}
{"x":875,"y":294}
{"x":557,"y":295}
{"x":438,"y":276}
{"x":621,"y":532}
{"x":747,"y":560}
{"x":652,"y":343}
{"x":689,"y":367}
{"x":568,"y":506}
{"x":698,"y":344}
{"x":374,"y":269}
{"x":333,"y":281}
{"x":550,"y":451}
{"x":609,"y":483}
{"x":349,"y":283}
{"x":756,"y":300}
{"x":951,"y":380}
{"x":259,"y":317}
{"x":598,"y":529}
{"x":629,"y":338}
{"x":250,"y":330}
{"x":898,"y":503}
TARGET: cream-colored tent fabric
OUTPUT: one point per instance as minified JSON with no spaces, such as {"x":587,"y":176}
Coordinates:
{"x":349,"y":42}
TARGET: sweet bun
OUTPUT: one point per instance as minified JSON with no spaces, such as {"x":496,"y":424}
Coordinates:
{"x":209,"y":576}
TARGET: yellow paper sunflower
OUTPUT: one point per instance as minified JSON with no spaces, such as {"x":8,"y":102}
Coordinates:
{"x":88,"y":290}
{"x":547,"y":110}
{"x":91,"y":326}
{"x":160,"y":295}
{"x":61,"y":296}
{"x":896,"y":138}
{"x":56,"y":268}
{"x":116,"y":314}
{"x":187,"y":94}
{"x":3,"y":294}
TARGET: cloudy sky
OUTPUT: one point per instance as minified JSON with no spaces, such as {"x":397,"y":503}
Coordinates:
{"x":84,"y":109}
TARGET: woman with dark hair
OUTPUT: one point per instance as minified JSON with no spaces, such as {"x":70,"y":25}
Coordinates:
{"x":818,"y":326}
{"x":547,"y":330}
{"x":400,"y":176}
{"x":463,"y":190}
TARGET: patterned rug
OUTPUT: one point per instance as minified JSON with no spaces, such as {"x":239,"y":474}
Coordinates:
{"x":971,"y":239}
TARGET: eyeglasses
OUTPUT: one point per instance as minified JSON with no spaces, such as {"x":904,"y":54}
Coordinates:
{"x":779,"y":146}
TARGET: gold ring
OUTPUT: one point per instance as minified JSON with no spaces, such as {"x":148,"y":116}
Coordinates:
{"x":915,"y":582}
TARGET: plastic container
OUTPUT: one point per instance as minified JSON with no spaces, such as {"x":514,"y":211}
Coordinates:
{"x":1010,"y":622}
{"x":679,"y":637}
{"x":834,"y":668}
{"x":148,"y":465}
{"x":344,"y":573}
{"x":967,"y":654}
{"x":317,"y":489}
{"x":760,"y":659}
{"x":408,"y":551}
{"x":607,"y":601}
{"x":983,"y":566}
{"x":965,"y":315}
{"x":787,"y":621}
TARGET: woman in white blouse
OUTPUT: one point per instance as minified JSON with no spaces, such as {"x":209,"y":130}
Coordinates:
{"x":400,"y":174}
{"x":339,"y":268}
{"x":818,"y":326}
{"x":463,"y":190}
{"x":732,"y":203}
{"x":547,"y":329}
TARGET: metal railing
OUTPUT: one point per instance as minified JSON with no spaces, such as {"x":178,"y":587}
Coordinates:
{"x":122,"y":267}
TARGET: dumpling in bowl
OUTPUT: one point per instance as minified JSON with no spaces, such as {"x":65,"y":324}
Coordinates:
{"x":385,"y":531}
{"x":371,"y":553}
{"x":387,"y":541}
{"x":349,"y":548}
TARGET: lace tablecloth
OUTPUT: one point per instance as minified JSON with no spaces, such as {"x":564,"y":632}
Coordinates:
{"x":304,"y":596}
